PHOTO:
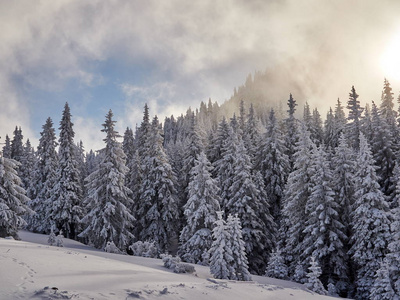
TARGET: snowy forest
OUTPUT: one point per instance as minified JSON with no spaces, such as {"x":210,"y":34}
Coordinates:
{"x":274,"y":191}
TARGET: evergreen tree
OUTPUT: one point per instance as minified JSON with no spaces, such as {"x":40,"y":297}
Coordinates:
{"x":313,"y":283}
{"x":221,"y":256}
{"x":330,"y":138}
{"x":276,"y":265}
{"x":382,"y":149}
{"x":298,"y":190}
{"x":340,"y":121}
{"x":240,"y":263}
{"x":291,"y":130}
{"x":316,"y":133}
{"x":245,"y":201}
{"x":354,"y":118}
{"x":44,"y":179}
{"x":274,"y":166}
{"x":17,"y":148}
{"x":128,"y":144}
{"x":382,"y":288}
{"x":66,"y":210}
{"x":26,"y":168}
{"x":200,"y":212}
{"x":158,"y":208}
{"x":7,"y":147}
{"x":252,"y":136}
{"x":13,"y":202}
{"x":371,"y":222}
{"x":108,"y":218}
{"x":215,"y":149}
{"x":324,"y":232}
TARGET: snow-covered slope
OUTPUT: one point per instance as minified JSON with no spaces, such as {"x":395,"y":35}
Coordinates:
{"x":30,"y":269}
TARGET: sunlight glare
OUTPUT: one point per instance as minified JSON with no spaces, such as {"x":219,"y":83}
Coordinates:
{"x":390,"y":60}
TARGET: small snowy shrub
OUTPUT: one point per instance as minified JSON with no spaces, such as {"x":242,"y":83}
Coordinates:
{"x":144,"y":249}
{"x":111,"y":248}
{"x":59,"y":239}
{"x":52,"y":238}
{"x":184,"y":268}
{"x":313,"y":283}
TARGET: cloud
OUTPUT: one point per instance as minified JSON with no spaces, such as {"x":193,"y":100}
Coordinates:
{"x":177,"y":53}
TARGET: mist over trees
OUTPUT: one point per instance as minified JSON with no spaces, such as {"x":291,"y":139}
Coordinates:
{"x":254,"y":189}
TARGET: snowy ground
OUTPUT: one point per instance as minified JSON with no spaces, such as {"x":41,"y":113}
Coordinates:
{"x":30,"y":269}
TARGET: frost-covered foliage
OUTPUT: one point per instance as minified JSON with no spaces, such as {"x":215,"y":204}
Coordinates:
{"x":66,"y":202}
{"x":13,"y":202}
{"x":371,"y":222}
{"x":158,"y":209}
{"x":354,"y":118}
{"x":44,"y":179}
{"x":313,"y":283}
{"x":291,"y":127}
{"x":300,"y":274}
{"x":383,"y":288}
{"x":111,"y":248}
{"x":108,"y":218}
{"x":174,"y":263}
{"x":200,"y":213}
{"x":52,"y":238}
{"x":144,"y":249}
{"x":276,"y":266}
{"x":60,"y":239}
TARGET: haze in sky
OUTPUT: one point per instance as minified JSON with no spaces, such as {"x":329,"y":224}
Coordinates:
{"x":121,"y":54}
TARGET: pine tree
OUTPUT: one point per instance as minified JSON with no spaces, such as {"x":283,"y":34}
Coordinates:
{"x":371,"y":222}
{"x":7,"y":147}
{"x":276,"y":265}
{"x":27,"y":167}
{"x":245,"y":201}
{"x":13,"y":202}
{"x":158,"y":203}
{"x":200,"y":213}
{"x":274,"y":166}
{"x":128,"y":144}
{"x":44,"y":179}
{"x":108,"y":218}
{"x":240,"y":263}
{"x":340,"y":120}
{"x":67,"y":210}
{"x":354,"y":118}
{"x":316,"y":133}
{"x":298,"y":190}
{"x":291,"y":130}
{"x":252,"y":136}
{"x":382,"y":288}
{"x":324,"y":232}
{"x":17,"y":148}
{"x":313,"y":283}
{"x":330,"y":138}
{"x":214,"y":152}
{"x":221,"y":256}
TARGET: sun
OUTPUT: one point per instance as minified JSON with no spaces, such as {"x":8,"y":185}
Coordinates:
{"x":390,"y":59}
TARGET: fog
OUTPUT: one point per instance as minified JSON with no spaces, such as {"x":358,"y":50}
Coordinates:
{"x":174,"y":54}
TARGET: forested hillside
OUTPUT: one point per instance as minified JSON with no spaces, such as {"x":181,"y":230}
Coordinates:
{"x":314,"y":200}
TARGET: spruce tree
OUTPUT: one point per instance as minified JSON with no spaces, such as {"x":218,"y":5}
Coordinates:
{"x":313,"y":283}
{"x":325,"y":235}
{"x":17,"y":148}
{"x":108,"y":218}
{"x":291,"y":130}
{"x":158,"y":203}
{"x":383,"y":288}
{"x":354,"y":118}
{"x":221,"y":256}
{"x":371,"y":222}
{"x":26,"y":169}
{"x":7,"y":147}
{"x":240,"y":263}
{"x":276,"y":266}
{"x":13,"y":202}
{"x":200,"y":213}
{"x":67,"y":210}
{"x":44,"y":179}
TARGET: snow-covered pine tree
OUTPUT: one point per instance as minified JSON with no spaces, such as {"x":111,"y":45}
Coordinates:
{"x":17,"y":147}
{"x":66,"y":208}
{"x":330,"y":139}
{"x":108,"y":218}
{"x":245,"y":201}
{"x":276,"y":266}
{"x":324,"y":232}
{"x":83,"y":171}
{"x":13,"y":202}
{"x":387,"y":108}
{"x":354,"y":118}
{"x":382,"y":148}
{"x":371,"y":222}
{"x":240,"y":262}
{"x":298,"y":190}
{"x":214,"y":152}
{"x":200,"y":212}
{"x":128,"y":144}
{"x":383,"y":285}
{"x":7,"y":147}
{"x":221,"y":256}
{"x":313,"y":283}
{"x":158,"y":204}
{"x":307,"y":117}
{"x":274,"y":165}
{"x":340,"y":121}
{"x":316,"y":134}
{"x":27,"y":167}
{"x":44,"y":179}
{"x":291,"y":130}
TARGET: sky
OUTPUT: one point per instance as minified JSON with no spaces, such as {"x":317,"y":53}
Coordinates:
{"x":120,"y":54}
